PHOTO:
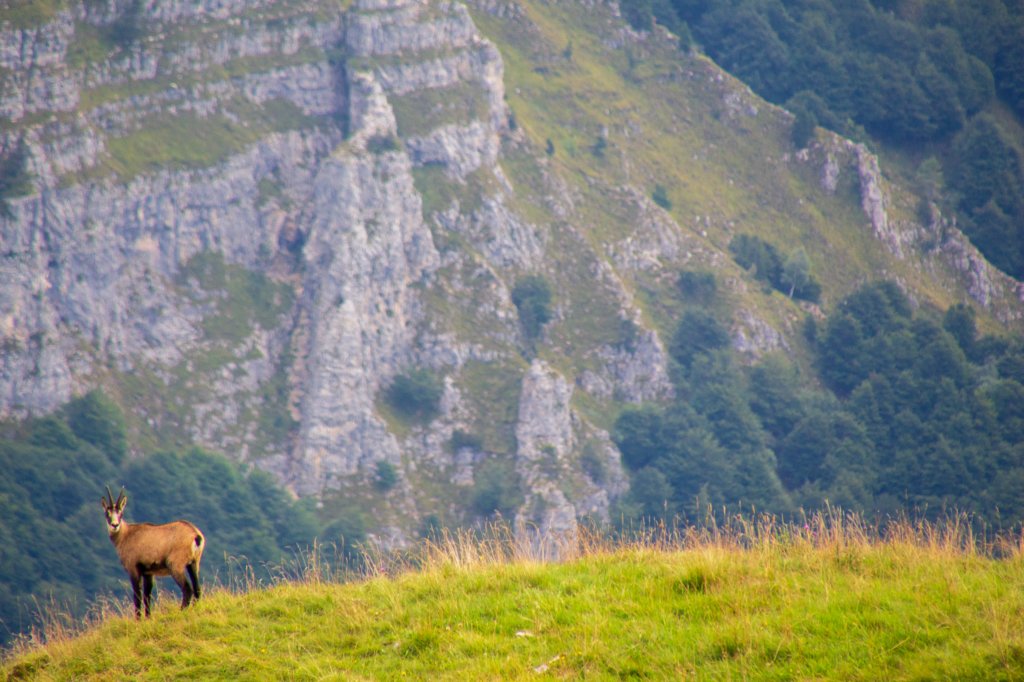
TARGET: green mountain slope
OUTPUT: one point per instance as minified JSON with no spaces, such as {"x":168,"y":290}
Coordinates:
{"x":816,"y":603}
{"x":626,"y":111}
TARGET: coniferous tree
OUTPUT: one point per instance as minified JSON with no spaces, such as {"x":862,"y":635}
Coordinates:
{"x":532,"y":298}
{"x":698,"y":332}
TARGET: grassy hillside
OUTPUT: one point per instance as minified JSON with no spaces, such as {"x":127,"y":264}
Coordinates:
{"x":826,"y":600}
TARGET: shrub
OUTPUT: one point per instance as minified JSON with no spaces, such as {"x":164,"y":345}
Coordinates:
{"x":660,"y":197}
{"x":803,"y":127}
{"x":532,"y":297}
{"x":698,"y":332}
{"x":986,"y":172}
{"x":15,"y":179}
{"x":97,"y":420}
{"x":387,"y":476}
{"x":753,"y":253}
{"x":593,"y":464}
{"x":431,"y":527}
{"x":638,"y":14}
{"x":697,"y":285}
{"x":463,"y":439}
{"x":638,"y":435}
{"x":792,"y":276}
{"x":496,"y":490}
{"x":380,"y":144}
{"x":347,"y":531}
{"x":651,"y":490}
{"x":415,"y":395}
{"x":126,"y":30}
{"x":959,"y":321}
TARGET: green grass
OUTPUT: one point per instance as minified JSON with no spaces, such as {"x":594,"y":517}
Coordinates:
{"x":89,"y":45}
{"x":666,"y":121}
{"x":189,"y":142}
{"x":824,"y":601}
{"x":438,"y":190}
{"x":23,"y":14}
{"x":241,"y":298}
{"x":397,"y":425}
{"x":423,"y":111}
{"x":494,"y":389}
{"x":269,"y":190}
{"x":275,"y":418}
{"x":178,"y":142}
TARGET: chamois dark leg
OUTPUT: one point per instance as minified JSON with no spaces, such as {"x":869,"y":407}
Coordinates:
{"x":137,"y":594}
{"x":147,"y":586}
{"x":186,"y":589}
{"x":193,"y":574}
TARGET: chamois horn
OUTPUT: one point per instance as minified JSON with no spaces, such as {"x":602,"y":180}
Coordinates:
{"x":110,"y":497}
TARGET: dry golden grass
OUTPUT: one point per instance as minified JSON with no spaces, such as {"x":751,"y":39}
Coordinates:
{"x":827,"y":595}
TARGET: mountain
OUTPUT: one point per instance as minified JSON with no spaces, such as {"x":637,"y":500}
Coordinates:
{"x":411,"y":258}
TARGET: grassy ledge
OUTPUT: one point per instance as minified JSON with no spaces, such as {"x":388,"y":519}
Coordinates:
{"x":828,"y":599}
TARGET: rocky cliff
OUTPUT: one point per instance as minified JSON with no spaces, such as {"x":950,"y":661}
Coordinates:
{"x":247,"y":218}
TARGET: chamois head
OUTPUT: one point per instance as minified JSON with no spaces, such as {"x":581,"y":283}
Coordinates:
{"x":114,"y":510}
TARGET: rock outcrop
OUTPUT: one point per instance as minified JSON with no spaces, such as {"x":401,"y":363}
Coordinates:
{"x":548,"y":459}
{"x":983,"y":283}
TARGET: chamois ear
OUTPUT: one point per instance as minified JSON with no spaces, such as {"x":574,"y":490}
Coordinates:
{"x":122,"y":501}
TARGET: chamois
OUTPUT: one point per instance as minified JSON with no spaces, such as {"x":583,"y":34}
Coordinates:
{"x":148,"y":550}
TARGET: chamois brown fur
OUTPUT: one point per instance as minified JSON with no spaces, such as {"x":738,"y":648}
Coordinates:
{"x":147,"y":550}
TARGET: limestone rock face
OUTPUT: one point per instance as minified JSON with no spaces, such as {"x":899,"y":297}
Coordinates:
{"x":96,"y":265}
{"x":545,"y":440}
{"x":550,"y":437}
{"x":872,"y":199}
{"x":635,"y":374}
{"x":318,"y":204}
{"x":830,"y":173}
{"x":363,"y":309}
{"x":755,"y":337}
{"x":38,"y":76}
{"x":370,"y":114}
{"x":386,"y":27}
{"x":984,"y":284}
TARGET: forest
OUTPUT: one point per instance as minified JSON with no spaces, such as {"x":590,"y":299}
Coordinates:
{"x":902,"y":411}
{"x":938,"y":81}
{"x":54,"y":549}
